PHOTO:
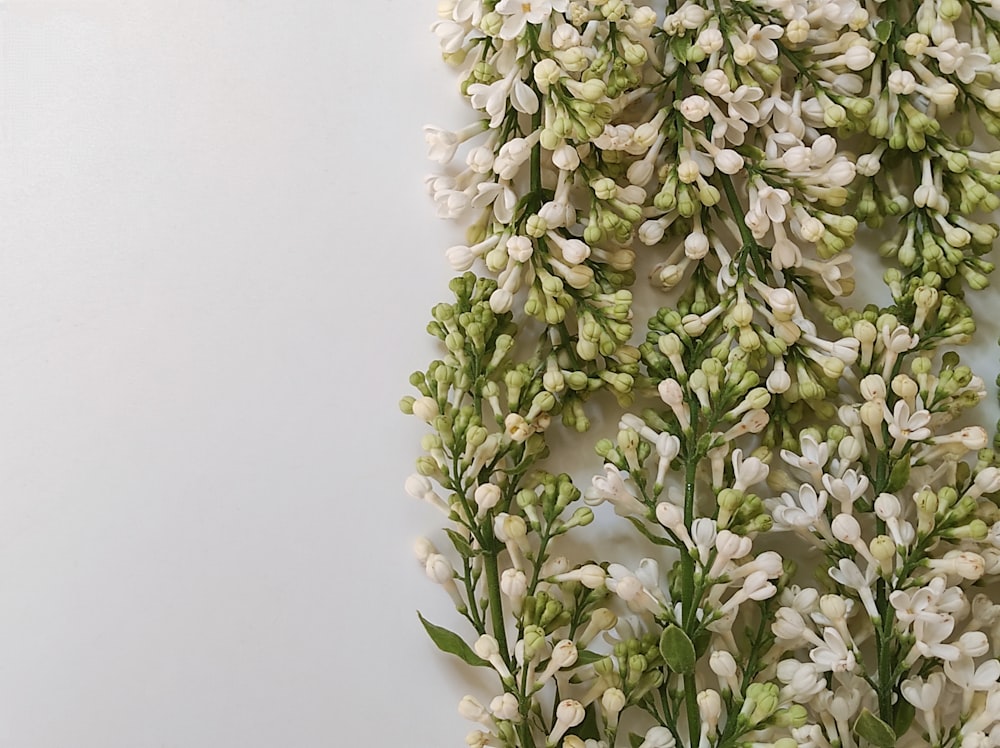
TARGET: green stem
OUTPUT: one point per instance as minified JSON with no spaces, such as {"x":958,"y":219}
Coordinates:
{"x":524,"y":729}
{"x":492,"y":572}
{"x":884,"y":638}
{"x":749,"y":243}
{"x":687,"y":586}
{"x":885,"y":661}
{"x":536,"y":161}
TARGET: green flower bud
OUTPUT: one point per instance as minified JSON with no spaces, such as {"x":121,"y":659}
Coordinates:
{"x":794,"y":716}
{"x":949,"y":10}
{"x":763,"y":701}
{"x":637,"y":665}
{"x":427,"y":466}
{"x":834,"y":115}
{"x":534,"y":640}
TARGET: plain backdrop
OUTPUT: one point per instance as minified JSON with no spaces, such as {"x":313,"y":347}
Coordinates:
{"x":216,"y":263}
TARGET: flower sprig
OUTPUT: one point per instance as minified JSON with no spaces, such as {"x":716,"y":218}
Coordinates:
{"x":770,"y":425}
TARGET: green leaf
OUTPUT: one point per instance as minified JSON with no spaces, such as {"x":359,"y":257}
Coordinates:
{"x":677,"y":650}
{"x":586,"y":657}
{"x":883,"y":30}
{"x":641,"y":527}
{"x":635,"y":740}
{"x":461,"y":544}
{"x":588,"y":729}
{"x":899,"y":476}
{"x":452,"y":643}
{"x":874,"y":730}
{"x":701,"y":642}
{"x":905,"y":712}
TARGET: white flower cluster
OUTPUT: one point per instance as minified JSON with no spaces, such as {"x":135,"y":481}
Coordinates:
{"x":769,"y":428}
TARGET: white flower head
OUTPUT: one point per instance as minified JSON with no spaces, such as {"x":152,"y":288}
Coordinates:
{"x":519,"y":13}
{"x":761,"y":38}
{"x":958,"y":59}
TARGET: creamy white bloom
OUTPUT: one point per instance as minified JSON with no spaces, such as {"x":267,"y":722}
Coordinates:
{"x":834,"y":654}
{"x":761,"y":38}
{"x":519,"y":13}
{"x":958,"y":59}
{"x":804,"y":512}
{"x":905,"y":426}
{"x":611,"y":487}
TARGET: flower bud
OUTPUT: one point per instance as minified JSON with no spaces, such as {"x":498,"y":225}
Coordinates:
{"x":846,"y":528}
{"x":988,"y":480}
{"x":487,"y":496}
{"x":833,"y":607}
{"x":658,"y":737}
{"x":472,"y":710}
{"x":439,"y":569}
{"x":882,"y":548}
{"x":505,"y":706}
{"x":723,"y":664}
{"x":613,"y":700}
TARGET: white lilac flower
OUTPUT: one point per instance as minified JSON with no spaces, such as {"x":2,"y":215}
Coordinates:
{"x":930,"y":635}
{"x":805,"y":512}
{"x":741,"y":103}
{"x":761,"y":38}
{"x":965,"y":674}
{"x":611,"y":487}
{"x":846,"y":489}
{"x":905,"y":426}
{"x":443,"y":144}
{"x":958,"y":59}
{"x":834,"y":654}
{"x":803,"y":680}
{"x":519,"y":13}
{"x":813,"y":458}
{"x":849,"y":575}
{"x":630,"y":588}
{"x":925,"y":695}
{"x":452,"y":36}
{"x":747,"y":472}
{"x":493,"y":98}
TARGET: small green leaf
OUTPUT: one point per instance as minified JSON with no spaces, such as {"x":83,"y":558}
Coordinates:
{"x":905,"y":712}
{"x":641,"y":527}
{"x":635,"y":740}
{"x":883,"y":30}
{"x":899,"y":476}
{"x":586,"y":657}
{"x":874,"y":730}
{"x":460,"y":543}
{"x":452,"y":643}
{"x":677,"y":650}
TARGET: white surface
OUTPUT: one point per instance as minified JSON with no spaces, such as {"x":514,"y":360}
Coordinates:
{"x":216,"y":260}
{"x":216,"y":263}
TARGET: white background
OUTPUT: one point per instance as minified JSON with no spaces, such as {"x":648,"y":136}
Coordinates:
{"x":216,"y":263}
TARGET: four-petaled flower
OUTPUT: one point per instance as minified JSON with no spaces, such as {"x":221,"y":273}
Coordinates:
{"x":761,"y":38}
{"x":905,"y":426}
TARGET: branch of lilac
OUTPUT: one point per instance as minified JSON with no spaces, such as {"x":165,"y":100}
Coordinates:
{"x":817,"y":533}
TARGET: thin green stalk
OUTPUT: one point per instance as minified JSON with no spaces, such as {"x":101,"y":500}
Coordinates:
{"x":536,"y":158}
{"x":687,"y":587}
{"x":749,"y":243}
{"x":524,"y":728}
{"x":492,"y":572}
